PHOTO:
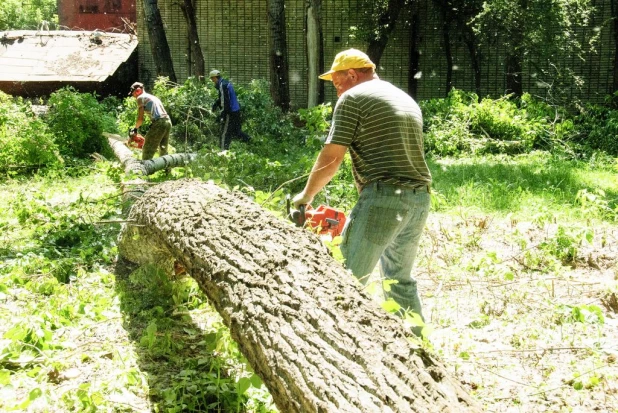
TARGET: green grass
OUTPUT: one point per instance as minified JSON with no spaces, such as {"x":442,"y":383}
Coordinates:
{"x":82,"y":332}
{"x":527,"y":185}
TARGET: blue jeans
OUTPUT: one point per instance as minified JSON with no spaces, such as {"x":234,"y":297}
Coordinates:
{"x":386,"y":226}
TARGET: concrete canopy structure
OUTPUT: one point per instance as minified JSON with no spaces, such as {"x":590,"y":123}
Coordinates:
{"x":35,"y":63}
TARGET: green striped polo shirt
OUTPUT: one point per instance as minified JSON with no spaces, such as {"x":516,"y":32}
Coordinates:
{"x":383,"y":128}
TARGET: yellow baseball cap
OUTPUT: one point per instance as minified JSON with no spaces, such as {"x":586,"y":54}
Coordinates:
{"x":348,"y":59}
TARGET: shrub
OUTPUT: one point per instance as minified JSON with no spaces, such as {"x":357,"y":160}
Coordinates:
{"x":597,"y":128}
{"x":189,"y":106}
{"x":18,"y":14}
{"x":463,"y":124}
{"x":77,"y":121}
{"x":25,"y":140}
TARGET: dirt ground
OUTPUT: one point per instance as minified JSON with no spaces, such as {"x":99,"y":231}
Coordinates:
{"x":525,"y":313}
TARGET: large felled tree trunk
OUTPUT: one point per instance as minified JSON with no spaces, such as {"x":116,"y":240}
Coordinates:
{"x":135,"y":166}
{"x":318,"y":342}
{"x":158,"y":41}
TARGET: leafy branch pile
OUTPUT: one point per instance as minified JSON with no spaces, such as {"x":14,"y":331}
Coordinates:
{"x":463,"y":124}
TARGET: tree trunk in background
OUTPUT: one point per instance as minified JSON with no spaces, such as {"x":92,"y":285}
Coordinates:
{"x":445,"y":9}
{"x":414,"y":69}
{"x":319,"y":342}
{"x":279,"y":76}
{"x":386,"y":26}
{"x":474,"y":60}
{"x":196,"y":55}
{"x":614,"y":9}
{"x":446,"y":39}
{"x":315,"y":53}
{"x":158,"y":41}
{"x":513,"y":75}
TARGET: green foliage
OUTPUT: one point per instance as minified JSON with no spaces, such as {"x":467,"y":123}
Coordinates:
{"x":566,"y":243}
{"x":77,"y":121}
{"x":315,"y":118}
{"x":588,"y":314}
{"x":189,"y":106}
{"x":20,"y":15}
{"x":597,"y":128}
{"x":460,"y":124}
{"x":544,"y":34}
{"x":25,"y":140}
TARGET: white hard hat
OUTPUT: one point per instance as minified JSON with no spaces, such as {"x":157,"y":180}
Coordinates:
{"x":214,"y":73}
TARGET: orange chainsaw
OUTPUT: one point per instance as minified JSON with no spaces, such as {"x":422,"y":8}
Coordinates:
{"x":323,"y":220}
{"x":135,"y":139}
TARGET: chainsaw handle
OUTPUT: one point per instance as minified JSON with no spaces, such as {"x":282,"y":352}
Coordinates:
{"x":297,"y":216}
{"x":301,"y":215}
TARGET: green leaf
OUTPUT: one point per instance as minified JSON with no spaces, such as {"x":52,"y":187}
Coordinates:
{"x":5,"y":377}
{"x":256,"y":381}
{"x":35,"y":394}
{"x":390,"y":305}
{"x":386,"y":285}
{"x":243,"y":384}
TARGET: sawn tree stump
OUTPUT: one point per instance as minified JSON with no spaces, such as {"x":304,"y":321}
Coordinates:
{"x":319,"y":342}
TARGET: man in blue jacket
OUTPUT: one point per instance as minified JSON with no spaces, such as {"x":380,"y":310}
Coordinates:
{"x":230,"y":114}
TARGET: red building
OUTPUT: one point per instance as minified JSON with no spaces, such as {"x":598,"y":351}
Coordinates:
{"x":106,"y":15}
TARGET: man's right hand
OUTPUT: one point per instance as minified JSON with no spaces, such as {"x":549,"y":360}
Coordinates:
{"x":301,"y":199}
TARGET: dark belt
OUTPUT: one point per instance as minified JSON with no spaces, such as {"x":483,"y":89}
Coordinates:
{"x":383,"y":186}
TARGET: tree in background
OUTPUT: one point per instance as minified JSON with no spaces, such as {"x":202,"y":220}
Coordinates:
{"x":456,"y":17}
{"x":18,"y":15}
{"x":414,"y":66}
{"x":315,"y":52}
{"x":537,"y":34}
{"x":466,"y":11}
{"x":614,"y":9}
{"x":385,"y":13}
{"x":379,"y":22}
{"x":158,"y":41}
{"x":447,"y":17}
{"x":196,"y":57}
{"x":279,"y":76}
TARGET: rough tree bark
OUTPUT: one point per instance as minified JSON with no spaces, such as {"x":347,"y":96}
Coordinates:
{"x":279,"y":75}
{"x":318,"y":342}
{"x":158,"y":41}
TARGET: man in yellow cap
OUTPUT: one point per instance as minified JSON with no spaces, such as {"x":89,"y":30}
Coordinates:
{"x":382,"y":127}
